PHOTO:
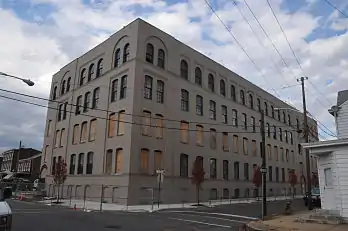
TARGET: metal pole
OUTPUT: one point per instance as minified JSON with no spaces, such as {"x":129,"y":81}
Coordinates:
{"x":17,"y":165}
{"x":101,"y":199}
{"x":264,"y":167}
{"x":306,"y":136}
{"x":159,"y":190}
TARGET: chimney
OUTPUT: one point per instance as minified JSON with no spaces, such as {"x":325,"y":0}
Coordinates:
{"x":340,"y":112}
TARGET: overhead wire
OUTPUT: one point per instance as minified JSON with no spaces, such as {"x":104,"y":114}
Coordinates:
{"x":335,"y":7}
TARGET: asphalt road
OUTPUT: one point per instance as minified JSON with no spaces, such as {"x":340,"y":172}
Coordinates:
{"x":28,"y":216}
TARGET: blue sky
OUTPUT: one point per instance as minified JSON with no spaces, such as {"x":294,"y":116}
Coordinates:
{"x":43,"y":35}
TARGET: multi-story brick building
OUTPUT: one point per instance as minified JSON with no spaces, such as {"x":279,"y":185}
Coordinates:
{"x":10,"y":157}
{"x":142,"y":100}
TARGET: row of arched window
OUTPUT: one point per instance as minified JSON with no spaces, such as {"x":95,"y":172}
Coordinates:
{"x":150,"y":55}
{"x":80,"y":164}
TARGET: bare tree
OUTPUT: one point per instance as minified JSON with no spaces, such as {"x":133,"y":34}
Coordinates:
{"x":292,"y":181}
{"x":60,"y":175}
{"x":257,"y":179}
{"x":198,"y":176}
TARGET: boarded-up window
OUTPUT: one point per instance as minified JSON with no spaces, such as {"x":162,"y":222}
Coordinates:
{"x":199,"y":135}
{"x":225,"y":145}
{"x":159,"y":126}
{"x":112,"y":123}
{"x":108,"y":162}
{"x":118,"y":160}
{"x":120,"y":125}
{"x":83,"y":137}
{"x":254,"y":147}
{"x":46,"y":151}
{"x":276,"y":153}
{"x":57,"y":139}
{"x":212,"y":138}
{"x":144,"y":161}
{"x":184,"y":127}
{"x":245,"y":146}
{"x":49,"y":127}
{"x":157,"y":161}
{"x":76,"y":134}
{"x":146,"y":123}
{"x":92,"y":129}
{"x":62,"y":138}
{"x":235,"y":143}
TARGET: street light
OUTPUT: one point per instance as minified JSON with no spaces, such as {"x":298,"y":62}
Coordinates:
{"x":27,"y":81}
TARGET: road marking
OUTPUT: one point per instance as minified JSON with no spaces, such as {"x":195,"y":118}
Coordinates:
{"x":218,"y":218}
{"x":219,"y":214}
{"x":200,"y":222}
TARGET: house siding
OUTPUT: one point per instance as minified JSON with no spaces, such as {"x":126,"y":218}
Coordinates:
{"x":342,"y":121}
{"x":342,"y":172}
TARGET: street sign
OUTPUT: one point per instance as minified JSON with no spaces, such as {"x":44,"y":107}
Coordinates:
{"x":160,"y":175}
{"x":263,"y":170}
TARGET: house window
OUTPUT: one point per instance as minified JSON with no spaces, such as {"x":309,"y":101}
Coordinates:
{"x":112,"y":124}
{"x":57,"y":139}
{"x":160,"y":91}
{"x":161,"y":58}
{"x":126,"y":51}
{"x":90,"y":72}
{"x":282,"y":154}
{"x":244,"y":121}
{"x":212,"y":138}
{"x":292,"y":156}
{"x":82,"y":76}
{"x":144,"y":161}
{"x":253,"y":124}
{"x":254,"y":147}
{"x":199,"y":105}
{"x":236,"y":170}
{"x":83,"y":136}
{"x":60,"y":108}
{"x":87,"y":101}
{"x":114,"y":86}
{"x":235,"y":143}
{"x":246,"y":171}
{"x":268,"y":129}
{"x":291,"y":138}
{"x":199,"y":135}
{"x":283,"y":175}
{"x":108,"y":162}
{"x":286,"y":136}
{"x":242,"y":97}
{"x":89,"y":166}
{"x":118,"y":160}
{"x":159,"y":126}
{"x":328,"y":177}
{"x":272,"y":111}
{"x":120,"y":123}
{"x":146,"y":123}
{"x":123,"y":90}
{"x":284,"y":117}
{"x":251,"y":101}
{"x":212,"y":168}
{"x":245,"y":146}
{"x":81,"y":163}
{"x":297,"y":124}
{"x":258,"y":104}
{"x":184,"y":100}
{"x":62,"y":88}
{"x":222,"y":87}
{"x":184,"y":69}
{"x":65,"y":110}
{"x":211,"y":82}
{"x":149,"y":53}
{"x":148,"y":87}
{"x":234,"y":118}
{"x":212,"y":110}
{"x":289,"y":120}
{"x":233,"y":93}
{"x":198,"y":76}
{"x":157,"y":160}
{"x":95,"y":102}
{"x":183,"y":165}
{"x":100,"y":68}
{"x":72,"y":164}
{"x":75,"y":134}
{"x":184,"y":132}
{"x":225,"y":169}
{"x":54,"y":165}
{"x":117,"y":57}
{"x":224,"y":114}
{"x":287,"y":155}
{"x":62,"y":137}
{"x":278,"y":115}
{"x":266,"y":108}
{"x":225,"y":145}
{"x":92,"y":129}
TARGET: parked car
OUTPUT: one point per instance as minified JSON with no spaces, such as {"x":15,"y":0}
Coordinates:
{"x":5,"y":209}
{"x":316,"y":201}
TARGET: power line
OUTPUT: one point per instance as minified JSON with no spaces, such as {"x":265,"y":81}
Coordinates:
{"x":240,"y":46}
{"x":331,"y":4}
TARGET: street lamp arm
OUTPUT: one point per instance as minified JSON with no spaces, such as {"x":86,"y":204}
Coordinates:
{"x":27,"y":81}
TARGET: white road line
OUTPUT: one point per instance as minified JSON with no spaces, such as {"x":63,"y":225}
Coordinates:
{"x":218,"y":218}
{"x":219,"y":214}
{"x":200,"y":222}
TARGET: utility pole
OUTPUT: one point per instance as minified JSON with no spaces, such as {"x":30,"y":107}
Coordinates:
{"x":306,"y":136}
{"x":17,"y":157}
{"x":263,"y":167}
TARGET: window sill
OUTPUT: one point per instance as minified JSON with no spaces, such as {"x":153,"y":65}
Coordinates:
{"x":184,"y":142}
{"x":121,"y":134}
{"x":144,"y":134}
{"x":226,"y":150}
{"x":199,"y":145}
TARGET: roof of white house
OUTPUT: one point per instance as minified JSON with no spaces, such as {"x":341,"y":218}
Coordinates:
{"x":326,"y":143}
{"x":342,"y":97}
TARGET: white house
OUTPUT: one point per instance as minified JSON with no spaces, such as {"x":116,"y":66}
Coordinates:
{"x":333,"y":161}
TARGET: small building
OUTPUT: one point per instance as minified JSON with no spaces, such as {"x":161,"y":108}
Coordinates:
{"x":10,"y":157}
{"x":333,"y":161}
{"x":31,"y":165}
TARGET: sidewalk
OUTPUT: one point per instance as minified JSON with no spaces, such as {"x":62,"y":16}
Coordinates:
{"x":288,"y":223}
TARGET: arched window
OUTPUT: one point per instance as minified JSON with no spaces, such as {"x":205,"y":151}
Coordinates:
{"x":242,"y":97}
{"x":89,"y":165}
{"x":266,"y":108}
{"x":126,"y":51}
{"x":86,"y":104}
{"x":82,"y":76}
{"x":68,"y":83}
{"x":284,"y":117}
{"x":198,"y":76}
{"x":123,"y":89}
{"x":272,"y":111}
{"x":100,"y":68}
{"x":289,"y":120}
{"x":117,"y":57}
{"x":211,"y":83}
{"x":251,"y":101}
{"x":72,"y":164}
{"x":222,"y":87}
{"x":161,"y":58}
{"x":258,"y":104}
{"x":108,"y":162}
{"x":62,"y":88}
{"x":184,"y":69}
{"x":80,"y":164}
{"x":95,"y":101}
{"x":54,"y":94}
{"x":149,"y":53}
{"x":90,"y":72}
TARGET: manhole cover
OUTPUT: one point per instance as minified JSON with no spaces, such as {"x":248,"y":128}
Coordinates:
{"x":112,"y":226}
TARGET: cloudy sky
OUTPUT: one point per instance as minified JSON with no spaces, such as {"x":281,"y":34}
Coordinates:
{"x":40,"y":36}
